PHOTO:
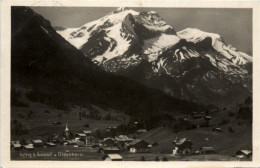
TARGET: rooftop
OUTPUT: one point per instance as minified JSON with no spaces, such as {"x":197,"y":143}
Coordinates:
{"x":114,"y":156}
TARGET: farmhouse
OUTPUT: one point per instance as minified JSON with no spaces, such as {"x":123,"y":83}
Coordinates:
{"x":82,"y":135}
{"x":207,"y":150}
{"x":244,"y":154}
{"x":15,"y":145}
{"x":182,"y":145}
{"x":90,"y":141}
{"x":123,"y":138}
{"x":140,"y":131}
{"x":217,"y":130}
{"x":207,"y":118}
{"x":138,"y":146}
{"x":113,"y":157}
{"x":87,"y":132}
{"x":50,"y":144}
{"x":37,"y":143}
{"x":28,"y":147}
{"x":109,"y":150}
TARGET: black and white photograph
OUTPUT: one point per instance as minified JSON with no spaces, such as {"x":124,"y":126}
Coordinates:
{"x":122,"y":83}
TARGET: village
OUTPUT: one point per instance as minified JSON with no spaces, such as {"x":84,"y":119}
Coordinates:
{"x":123,"y":147}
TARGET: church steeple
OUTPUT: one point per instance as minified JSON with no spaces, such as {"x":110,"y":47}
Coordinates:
{"x":66,"y":129}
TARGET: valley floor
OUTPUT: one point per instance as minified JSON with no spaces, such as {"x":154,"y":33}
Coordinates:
{"x":40,"y":124}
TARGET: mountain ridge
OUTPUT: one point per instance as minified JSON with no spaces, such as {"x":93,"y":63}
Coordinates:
{"x":122,"y":40}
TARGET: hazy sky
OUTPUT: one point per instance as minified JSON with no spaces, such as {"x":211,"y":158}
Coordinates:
{"x":234,"y":25}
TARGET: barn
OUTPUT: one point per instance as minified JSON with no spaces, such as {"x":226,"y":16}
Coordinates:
{"x":182,"y":145}
{"x":244,"y":154}
{"x":138,"y":146}
{"x":113,"y":157}
{"x":15,"y":145}
{"x":109,"y":150}
{"x":37,"y":143}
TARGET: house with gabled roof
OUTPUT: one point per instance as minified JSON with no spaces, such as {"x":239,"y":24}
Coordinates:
{"x":113,"y":157}
{"x":138,"y":146}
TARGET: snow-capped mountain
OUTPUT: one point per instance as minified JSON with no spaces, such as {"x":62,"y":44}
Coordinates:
{"x":190,"y":64}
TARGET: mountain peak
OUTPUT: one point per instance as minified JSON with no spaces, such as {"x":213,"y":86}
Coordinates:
{"x":120,"y":9}
{"x":196,"y":35}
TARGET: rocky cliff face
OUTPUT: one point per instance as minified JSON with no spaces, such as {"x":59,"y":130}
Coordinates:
{"x":190,"y":64}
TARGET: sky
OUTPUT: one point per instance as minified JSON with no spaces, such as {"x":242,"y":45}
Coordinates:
{"x":233,"y":24}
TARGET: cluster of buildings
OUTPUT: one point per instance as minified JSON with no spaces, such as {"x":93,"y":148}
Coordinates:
{"x":112,"y":147}
{"x":106,"y":146}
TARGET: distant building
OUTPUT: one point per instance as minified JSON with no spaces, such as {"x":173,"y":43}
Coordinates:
{"x":87,"y":132}
{"x":50,"y":144}
{"x":207,"y":118}
{"x":37,"y":143}
{"x":207,"y":150}
{"x":138,"y":146}
{"x":113,"y":157}
{"x":123,"y":138}
{"x":80,"y":135}
{"x":217,"y":130}
{"x":109,"y":150}
{"x":182,"y":146}
{"x":244,"y":154}
{"x":28,"y":147}
{"x":140,"y":131}
{"x":15,"y":145}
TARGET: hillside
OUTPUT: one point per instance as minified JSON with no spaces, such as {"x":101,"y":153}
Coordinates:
{"x":225,"y":143}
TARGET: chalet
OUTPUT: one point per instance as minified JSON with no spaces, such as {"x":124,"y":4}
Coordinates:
{"x":28,"y":147}
{"x":244,"y":154}
{"x":182,"y":146}
{"x":15,"y":145}
{"x":109,"y":142}
{"x":81,"y":136}
{"x":113,"y":157}
{"x":140,"y":131}
{"x":217,"y":130}
{"x":50,"y":144}
{"x":37,"y":143}
{"x":138,"y":146}
{"x":207,"y":150}
{"x":87,"y":132}
{"x":123,"y":138}
{"x":78,"y":142}
{"x":70,"y":142}
{"x":207,"y":118}
{"x":109,"y":150}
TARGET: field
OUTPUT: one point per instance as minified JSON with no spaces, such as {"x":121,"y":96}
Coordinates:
{"x":41,"y":124}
